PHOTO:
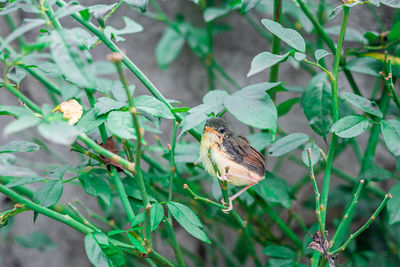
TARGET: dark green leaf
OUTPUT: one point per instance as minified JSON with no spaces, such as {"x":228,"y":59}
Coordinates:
{"x":289,"y":36}
{"x":284,"y":107}
{"x":350,"y":126}
{"x":120,"y":123}
{"x":265,"y":60}
{"x":287,"y":144}
{"x":136,"y":244}
{"x":27,"y":25}
{"x":393,"y":204}
{"x":188,"y":220}
{"x":315,"y":154}
{"x":365,"y":65}
{"x":274,"y":189}
{"x":253,"y":106}
{"x":25,"y":180}
{"x":375,"y":173}
{"x":59,"y":132}
{"x":211,"y":13}
{"x":169,"y":47}
{"x":364,"y":104}
{"x":94,"y":252}
{"x":141,"y":4}
{"x":191,"y":121}
{"x":391,"y":134}
{"x":22,"y":123}
{"x":153,"y":106}
{"x":317,"y":104}
{"x":277,"y":251}
{"x":260,"y":140}
{"x":36,"y":240}
{"x":90,"y":121}
{"x":19,"y":146}
{"x":106,"y":104}
{"x":94,"y":185}
{"x":49,"y":193}
{"x":156,"y":215}
{"x":213,"y":102}
{"x":130,"y":27}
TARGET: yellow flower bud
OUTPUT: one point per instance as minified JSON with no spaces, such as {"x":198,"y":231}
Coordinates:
{"x":71,"y":110}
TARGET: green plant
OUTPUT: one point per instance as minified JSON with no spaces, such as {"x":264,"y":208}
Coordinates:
{"x":109,"y":135}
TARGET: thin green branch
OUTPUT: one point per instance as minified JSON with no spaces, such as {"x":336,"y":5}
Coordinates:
{"x":116,"y":58}
{"x":346,"y":218}
{"x":23,"y":98}
{"x":316,"y":191}
{"x":172,"y":160}
{"x":276,"y":42}
{"x":122,"y":195}
{"x":365,"y":226}
{"x":203,"y":199}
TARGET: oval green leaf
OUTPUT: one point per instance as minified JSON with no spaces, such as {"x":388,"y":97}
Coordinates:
{"x":287,"y":144}
{"x":350,"y":126}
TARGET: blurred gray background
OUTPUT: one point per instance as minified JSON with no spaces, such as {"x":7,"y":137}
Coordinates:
{"x":185,"y":80}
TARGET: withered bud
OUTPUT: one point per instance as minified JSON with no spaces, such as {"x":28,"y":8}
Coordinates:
{"x":115,"y":57}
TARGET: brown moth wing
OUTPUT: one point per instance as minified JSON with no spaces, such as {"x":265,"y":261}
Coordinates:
{"x":240,"y":151}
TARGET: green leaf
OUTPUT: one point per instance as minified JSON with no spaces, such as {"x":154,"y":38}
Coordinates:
{"x":153,"y":106}
{"x":141,"y":4}
{"x":260,"y":140}
{"x":274,"y":189}
{"x":27,"y":25}
{"x":94,"y":252}
{"x":393,"y":205}
{"x":74,"y":65}
{"x":22,"y":123}
{"x":192,"y":120}
{"x":287,"y":144}
{"x":49,"y":193}
{"x":169,"y":47}
{"x":391,"y":3}
{"x":253,"y":106}
{"x":364,"y":104}
{"x":59,"y":132}
{"x":188,"y":220}
{"x":119,"y":92}
{"x":19,"y":146}
{"x":265,"y":60}
{"x":284,"y":107}
{"x":317,"y":104}
{"x":106,"y":104}
{"x":365,"y":65}
{"x":320,"y":53}
{"x":25,"y":180}
{"x":315,"y":154}
{"x":289,"y":36}
{"x":36,"y":240}
{"x":15,"y":171}
{"x":130,"y":27}
{"x":277,"y":251}
{"x":391,"y":134}
{"x":120,"y":123}
{"x":350,"y":126}
{"x":89,"y":121}
{"x":95,"y":186}
{"x":352,"y":35}
{"x":116,"y":232}
{"x":213,"y":102}
{"x":211,"y":13}
{"x":156,"y":215}
{"x":375,"y":173}
{"x":136,"y":243}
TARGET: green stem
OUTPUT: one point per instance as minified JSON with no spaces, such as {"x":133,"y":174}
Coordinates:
{"x":203,"y":199}
{"x":142,"y":187}
{"x":276,"y":41}
{"x":23,"y":98}
{"x":390,"y":85}
{"x":46,"y":211}
{"x":335,"y":116}
{"x":122,"y":195}
{"x":172,"y":161}
{"x":92,"y":102}
{"x":174,"y":242}
{"x":129,"y":166}
{"x":278,"y":221}
{"x":316,"y":191}
{"x":365,"y":226}
{"x":130,"y":65}
{"x":346,"y":218}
